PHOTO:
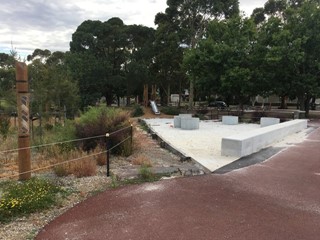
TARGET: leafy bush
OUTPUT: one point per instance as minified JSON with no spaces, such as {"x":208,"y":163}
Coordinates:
{"x":27,"y":197}
{"x":64,"y":133}
{"x":170,"y":110}
{"x":4,"y":125}
{"x":145,"y":174}
{"x":137,"y":111}
{"x":98,"y":121}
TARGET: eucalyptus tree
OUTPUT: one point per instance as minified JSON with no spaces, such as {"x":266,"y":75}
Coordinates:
{"x":7,"y":79}
{"x":168,"y":57}
{"x":101,"y":47}
{"x":289,"y":40}
{"x":110,"y":59}
{"x":223,"y":61}
{"x":51,"y":84}
{"x":191,"y":18}
{"x":139,"y":62}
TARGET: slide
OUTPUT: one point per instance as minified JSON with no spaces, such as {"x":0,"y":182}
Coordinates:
{"x":154,"y":107}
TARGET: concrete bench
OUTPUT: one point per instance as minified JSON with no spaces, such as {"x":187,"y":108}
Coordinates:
{"x":189,"y":123}
{"x":177,"y":119}
{"x":244,"y":144}
{"x":230,"y":120}
{"x":268,"y":121}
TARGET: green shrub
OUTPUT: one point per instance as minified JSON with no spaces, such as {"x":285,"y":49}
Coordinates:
{"x":146,"y":174}
{"x":137,"y":111}
{"x":21,"y":198}
{"x":4,"y":125}
{"x":65,"y":133}
{"x":170,"y":110}
{"x":98,"y":121}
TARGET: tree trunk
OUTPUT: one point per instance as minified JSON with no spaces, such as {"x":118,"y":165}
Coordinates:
{"x":169,"y":93}
{"x":191,"y":94}
{"x":283,"y":104}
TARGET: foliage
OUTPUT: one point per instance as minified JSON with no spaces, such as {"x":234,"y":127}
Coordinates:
{"x":289,"y":46}
{"x":64,"y":133}
{"x":137,"y":111}
{"x":185,"y":21}
{"x":146,"y":174}
{"x":52,"y":86}
{"x":4,"y":126}
{"x":109,"y":59}
{"x":170,"y":110}
{"x":20,"y":198}
{"x":7,"y":81}
{"x":98,"y":121}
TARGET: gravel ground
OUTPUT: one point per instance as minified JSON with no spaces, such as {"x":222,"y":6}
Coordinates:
{"x":82,"y":188}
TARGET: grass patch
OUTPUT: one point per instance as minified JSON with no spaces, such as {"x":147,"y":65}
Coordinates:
{"x":22,"y":198}
{"x":145,"y":175}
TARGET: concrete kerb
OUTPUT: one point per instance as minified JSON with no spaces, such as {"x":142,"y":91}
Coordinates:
{"x":241,"y":145}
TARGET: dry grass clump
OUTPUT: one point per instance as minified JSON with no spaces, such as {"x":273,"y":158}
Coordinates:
{"x":84,"y":168}
{"x":142,"y":160}
{"x":80,"y":166}
{"x":101,"y":156}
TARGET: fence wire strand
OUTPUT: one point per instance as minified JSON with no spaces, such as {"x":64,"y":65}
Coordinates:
{"x":51,"y":144}
{"x":71,"y":160}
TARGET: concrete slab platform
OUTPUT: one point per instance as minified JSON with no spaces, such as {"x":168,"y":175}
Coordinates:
{"x":204,"y":145}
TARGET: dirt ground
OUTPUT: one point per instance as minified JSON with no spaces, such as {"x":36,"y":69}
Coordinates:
{"x":147,"y":149}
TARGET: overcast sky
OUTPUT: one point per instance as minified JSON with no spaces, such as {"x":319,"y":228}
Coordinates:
{"x":49,"y":24}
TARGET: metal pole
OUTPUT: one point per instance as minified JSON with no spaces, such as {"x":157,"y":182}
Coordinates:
{"x":108,"y":155}
{"x":131,"y":135}
{"x":23,"y":99}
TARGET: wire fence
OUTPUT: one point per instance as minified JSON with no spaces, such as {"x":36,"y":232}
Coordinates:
{"x":112,"y":141}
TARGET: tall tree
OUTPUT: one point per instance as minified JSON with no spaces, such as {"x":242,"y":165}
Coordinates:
{"x":291,"y":49}
{"x":107,"y":49}
{"x":222,"y":62}
{"x":51,"y":84}
{"x":7,"y":80}
{"x":192,"y":17}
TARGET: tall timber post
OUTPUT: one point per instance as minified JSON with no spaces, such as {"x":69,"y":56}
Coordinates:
{"x":23,"y":99}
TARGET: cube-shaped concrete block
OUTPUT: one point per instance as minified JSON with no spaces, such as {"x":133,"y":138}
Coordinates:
{"x":189,"y":123}
{"x":268,"y":121}
{"x":187,"y":115}
{"x":230,"y":120}
{"x":177,"y":122}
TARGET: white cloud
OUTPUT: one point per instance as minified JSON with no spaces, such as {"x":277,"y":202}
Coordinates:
{"x":48,"y":24}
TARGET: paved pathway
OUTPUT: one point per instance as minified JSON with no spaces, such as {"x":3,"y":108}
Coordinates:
{"x":276,"y":199}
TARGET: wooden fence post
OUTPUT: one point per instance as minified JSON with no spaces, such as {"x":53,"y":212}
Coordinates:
{"x":23,"y":99}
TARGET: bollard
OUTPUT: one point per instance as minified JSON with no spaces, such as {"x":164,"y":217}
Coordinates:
{"x":107,"y":154}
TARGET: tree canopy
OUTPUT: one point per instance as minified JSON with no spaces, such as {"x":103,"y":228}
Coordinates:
{"x":202,"y":45}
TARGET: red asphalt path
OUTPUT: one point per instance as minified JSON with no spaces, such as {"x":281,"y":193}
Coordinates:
{"x":276,"y":199}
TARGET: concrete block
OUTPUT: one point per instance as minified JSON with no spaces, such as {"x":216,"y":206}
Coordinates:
{"x":185,"y":115}
{"x":177,"y":119}
{"x":268,"y":121}
{"x":230,"y":120}
{"x":244,"y":144}
{"x":189,"y":123}
{"x":177,"y":122}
